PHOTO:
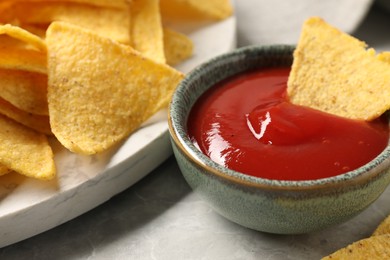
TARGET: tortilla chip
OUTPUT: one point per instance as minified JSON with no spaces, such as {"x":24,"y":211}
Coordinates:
{"x":18,"y":58}
{"x":146,"y":29}
{"x":36,"y":29}
{"x":6,"y":41}
{"x":383,"y":228}
{"x":23,"y":35}
{"x":104,"y":3}
{"x":99,"y":90}
{"x":36,"y":122}
{"x":4,"y":5}
{"x":384,"y":56}
{"x":25,"y":151}
{"x":376,"y":247}
{"x":195,"y":9}
{"x":113,"y":23}
{"x":4,"y":170}
{"x":25,"y":90}
{"x":333,"y":72}
{"x":177,"y":47}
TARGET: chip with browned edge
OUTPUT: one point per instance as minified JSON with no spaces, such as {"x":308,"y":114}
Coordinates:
{"x":100,"y":91}
{"x":334,"y":72}
{"x":25,"y":151}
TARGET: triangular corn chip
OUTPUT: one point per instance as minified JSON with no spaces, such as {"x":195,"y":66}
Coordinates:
{"x":4,"y":170}
{"x":23,"y":35}
{"x":195,"y":9}
{"x":334,"y":72}
{"x":383,"y":228}
{"x":25,"y":151}
{"x":107,"y":21}
{"x":17,"y":58}
{"x":37,"y":122}
{"x":146,"y":29}
{"x":99,"y":90}
{"x":373,"y":248}
{"x":104,"y":3}
{"x":177,"y":46}
{"x":25,"y":90}
{"x":384,"y":56}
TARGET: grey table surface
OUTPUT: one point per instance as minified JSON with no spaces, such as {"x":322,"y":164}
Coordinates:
{"x":161,"y":218}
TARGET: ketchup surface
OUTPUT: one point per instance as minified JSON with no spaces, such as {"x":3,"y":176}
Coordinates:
{"x":247,"y":124}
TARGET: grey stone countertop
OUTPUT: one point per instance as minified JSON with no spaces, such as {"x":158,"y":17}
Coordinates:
{"x":161,"y":218}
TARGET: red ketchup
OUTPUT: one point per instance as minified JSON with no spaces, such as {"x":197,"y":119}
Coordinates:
{"x":247,"y":124}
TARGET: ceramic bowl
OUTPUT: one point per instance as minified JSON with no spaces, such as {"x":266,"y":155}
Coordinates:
{"x":284,"y":207}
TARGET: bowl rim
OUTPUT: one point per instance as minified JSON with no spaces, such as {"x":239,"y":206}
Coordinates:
{"x":177,"y":132}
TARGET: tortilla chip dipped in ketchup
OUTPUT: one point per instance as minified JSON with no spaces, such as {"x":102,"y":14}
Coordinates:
{"x":314,"y":120}
{"x":247,"y":124}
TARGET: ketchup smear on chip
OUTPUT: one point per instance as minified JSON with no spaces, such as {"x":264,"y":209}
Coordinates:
{"x":247,"y":124}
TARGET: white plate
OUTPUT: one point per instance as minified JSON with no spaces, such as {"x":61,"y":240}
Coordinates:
{"x":29,"y":207}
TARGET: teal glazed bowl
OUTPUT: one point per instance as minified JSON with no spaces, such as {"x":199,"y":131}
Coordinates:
{"x":283,"y":207}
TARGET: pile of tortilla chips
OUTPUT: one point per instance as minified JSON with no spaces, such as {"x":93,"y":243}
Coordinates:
{"x":375,"y":247}
{"x":88,"y":72}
